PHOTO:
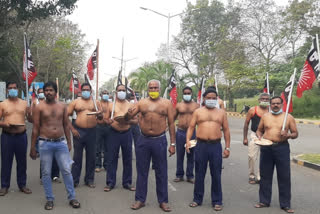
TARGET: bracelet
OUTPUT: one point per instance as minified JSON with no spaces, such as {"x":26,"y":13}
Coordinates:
{"x":227,"y":148}
{"x":172,"y":144}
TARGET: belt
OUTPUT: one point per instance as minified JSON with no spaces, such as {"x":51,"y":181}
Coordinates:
{"x":151,"y":136}
{"x":13,"y":134}
{"x":209,"y":141}
{"x":54,"y":140}
{"x":279,"y":143}
{"x":121,"y":132}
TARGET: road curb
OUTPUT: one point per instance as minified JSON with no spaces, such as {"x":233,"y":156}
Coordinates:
{"x":299,"y":121}
{"x":300,"y":162}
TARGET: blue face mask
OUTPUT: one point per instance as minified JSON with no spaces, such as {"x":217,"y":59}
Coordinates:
{"x":187,"y":97}
{"x":41,"y":95}
{"x":211,"y":103}
{"x":121,"y":95}
{"x":276,"y":113}
{"x":85,"y":94}
{"x":13,"y":93}
{"x":105,"y":97}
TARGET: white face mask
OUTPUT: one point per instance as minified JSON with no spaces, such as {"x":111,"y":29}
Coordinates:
{"x":132,"y":101}
{"x":211,"y":103}
{"x":121,"y":95}
{"x":187,"y":97}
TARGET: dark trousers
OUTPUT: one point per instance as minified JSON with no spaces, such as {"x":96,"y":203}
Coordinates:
{"x":101,"y":145}
{"x":117,"y":140}
{"x":155,"y":148}
{"x":86,"y":141}
{"x":279,"y":156}
{"x":135,"y":129}
{"x":204,"y":153}
{"x":13,"y":145}
{"x":181,"y":150}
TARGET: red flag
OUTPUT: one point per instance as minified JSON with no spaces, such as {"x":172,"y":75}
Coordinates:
{"x":310,"y":70}
{"x":265,"y":88}
{"x":201,"y":91}
{"x":173,"y":92}
{"x":285,"y":94}
{"x":92,"y":64}
{"x":28,"y":66}
{"x":74,"y":82}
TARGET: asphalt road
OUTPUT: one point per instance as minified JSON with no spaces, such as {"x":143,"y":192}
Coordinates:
{"x":238,"y":196}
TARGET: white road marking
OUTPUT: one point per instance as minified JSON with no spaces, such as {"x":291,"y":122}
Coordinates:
{"x":171,"y":187}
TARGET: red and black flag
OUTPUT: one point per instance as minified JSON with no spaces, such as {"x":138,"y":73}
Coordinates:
{"x":310,"y":70}
{"x":173,"y":89}
{"x":28,"y":66}
{"x":74,"y":83}
{"x":201,"y":91}
{"x":266,"y":84}
{"x":92,"y":64}
{"x":285,"y":95}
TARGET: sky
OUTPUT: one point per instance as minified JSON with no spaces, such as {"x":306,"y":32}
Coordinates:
{"x":143,"y":31}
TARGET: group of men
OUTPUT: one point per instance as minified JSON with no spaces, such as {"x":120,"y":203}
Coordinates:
{"x":114,"y":125}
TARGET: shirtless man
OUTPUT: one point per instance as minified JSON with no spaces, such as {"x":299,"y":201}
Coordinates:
{"x":184,"y":112}
{"x":102,"y":133}
{"x":278,"y":154}
{"x":84,"y":136}
{"x":55,"y":168}
{"x":209,"y":121}
{"x":120,"y":136}
{"x":14,"y":140}
{"x":254,"y":115}
{"x":50,"y":125}
{"x":155,"y":114}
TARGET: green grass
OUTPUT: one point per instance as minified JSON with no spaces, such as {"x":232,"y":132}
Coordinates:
{"x":313,"y":158}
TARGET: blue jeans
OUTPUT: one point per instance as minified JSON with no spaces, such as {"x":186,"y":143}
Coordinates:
{"x":59,"y":150}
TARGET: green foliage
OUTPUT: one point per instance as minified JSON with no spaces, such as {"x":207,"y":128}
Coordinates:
{"x":308,"y":105}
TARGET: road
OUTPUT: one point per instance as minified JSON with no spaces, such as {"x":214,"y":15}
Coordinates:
{"x":238,"y":196}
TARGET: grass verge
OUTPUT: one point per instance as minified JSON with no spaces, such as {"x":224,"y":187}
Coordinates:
{"x":312,"y":158}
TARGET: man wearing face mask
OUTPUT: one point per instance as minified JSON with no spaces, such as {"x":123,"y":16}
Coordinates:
{"x":277,"y":154}
{"x":254,"y":115}
{"x":84,"y":135}
{"x":184,"y":112}
{"x":209,"y":121}
{"x":14,"y":142}
{"x":155,"y":115}
{"x":120,"y":137}
{"x":102,"y":133}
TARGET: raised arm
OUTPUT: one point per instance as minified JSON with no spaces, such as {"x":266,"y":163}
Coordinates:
{"x":35,"y":131}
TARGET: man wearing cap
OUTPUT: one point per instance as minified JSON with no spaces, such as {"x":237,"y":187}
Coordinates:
{"x":209,"y":121}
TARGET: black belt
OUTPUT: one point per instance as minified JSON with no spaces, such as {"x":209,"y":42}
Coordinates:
{"x":13,"y":134}
{"x":121,"y":132}
{"x":209,"y":141}
{"x":279,"y":143}
{"x":52,"y":139}
{"x":151,"y":136}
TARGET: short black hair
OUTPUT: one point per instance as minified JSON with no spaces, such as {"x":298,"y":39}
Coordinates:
{"x":50,"y":84}
{"x":85,"y":84}
{"x":209,"y":90}
{"x":186,"y":88}
{"x":119,"y":86}
{"x":10,"y":83}
{"x":276,"y":97}
{"x":214,"y":88}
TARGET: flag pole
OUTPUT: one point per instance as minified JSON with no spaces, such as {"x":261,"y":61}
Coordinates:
{"x":72,"y":86}
{"x":289,"y":100}
{"x":97,"y":87}
{"x":216,"y":83}
{"x":202,"y":91}
{"x":57,"y":82}
{"x":268,"y":90}
{"x":25,"y":69}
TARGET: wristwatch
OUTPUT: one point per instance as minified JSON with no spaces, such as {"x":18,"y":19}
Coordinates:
{"x":227,"y":148}
{"x":172,"y":144}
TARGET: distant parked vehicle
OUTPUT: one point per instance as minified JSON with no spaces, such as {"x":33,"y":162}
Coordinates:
{"x":245,"y":109}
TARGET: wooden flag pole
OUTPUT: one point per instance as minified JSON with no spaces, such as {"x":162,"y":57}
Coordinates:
{"x":57,"y":82}
{"x":97,"y":84}
{"x":289,"y":100}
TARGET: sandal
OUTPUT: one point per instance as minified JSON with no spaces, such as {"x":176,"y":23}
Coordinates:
{"x":74,"y":203}
{"x":193,"y":204}
{"x":129,"y":187}
{"x":178,"y":179}
{"x":107,"y":188}
{"x":91,"y":185}
{"x":261,"y":205}
{"x":137,"y":205}
{"x":287,"y":209}
{"x":217,"y":207}
{"x":190,"y":180}
{"x":252,"y":181}
{"x":165,"y":207}
{"x":48,"y":205}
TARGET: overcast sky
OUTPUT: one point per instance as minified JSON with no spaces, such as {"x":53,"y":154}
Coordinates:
{"x":143,"y":31}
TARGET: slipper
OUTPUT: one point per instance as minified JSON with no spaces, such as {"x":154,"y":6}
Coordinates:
{"x":48,"y":205}
{"x":165,"y":207}
{"x":25,"y":190}
{"x":178,"y":179}
{"x":74,"y":203}
{"x":261,"y":205}
{"x":91,"y":185}
{"x":129,"y":187}
{"x":252,"y":181}
{"x":190,"y":180}
{"x":107,"y":188}
{"x":287,"y":209}
{"x":137,"y":205}
{"x":217,"y":207}
{"x":193,"y":204}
